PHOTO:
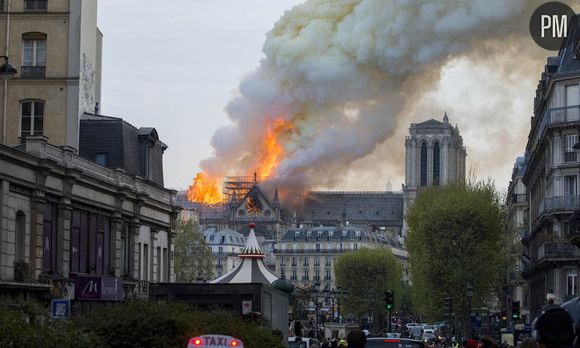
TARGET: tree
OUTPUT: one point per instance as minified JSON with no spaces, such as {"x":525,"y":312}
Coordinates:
{"x":193,"y":258}
{"x":365,"y":275}
{"x":455,"y":239}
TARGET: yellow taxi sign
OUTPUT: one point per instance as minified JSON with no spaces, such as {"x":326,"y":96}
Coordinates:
{"x":215,"y":341}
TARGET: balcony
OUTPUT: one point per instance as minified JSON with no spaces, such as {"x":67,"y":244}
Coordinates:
{"x":551,"y":251}
{"x":36,"y":5}
{"x":32,"y":72}
{"x":570,"y":156}
{"x":559,"y":204}
{"x":555,"y":116}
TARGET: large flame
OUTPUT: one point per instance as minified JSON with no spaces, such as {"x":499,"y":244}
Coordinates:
{"x":205,"y":190}
{"x":272,"y":151}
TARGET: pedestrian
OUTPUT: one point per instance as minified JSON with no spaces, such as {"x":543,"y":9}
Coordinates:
{"x":486,"y":342}
{"x":356,"y":339}
{"x":324,"y":343}
{"x":554,"y":328}
{"x":342,"y":343}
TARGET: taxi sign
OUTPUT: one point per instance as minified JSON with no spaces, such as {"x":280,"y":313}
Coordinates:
{"x":215,"y":341}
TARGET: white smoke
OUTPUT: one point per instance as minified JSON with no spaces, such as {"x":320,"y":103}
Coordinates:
{"x":343,"y":72}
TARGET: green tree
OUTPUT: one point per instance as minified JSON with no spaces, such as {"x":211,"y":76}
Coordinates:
{"x":455,"y":239}
{"x":365,"y":275}
{"x":193,"y":258}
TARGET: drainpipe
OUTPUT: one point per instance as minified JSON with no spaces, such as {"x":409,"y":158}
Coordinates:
{"x":6,"y":81}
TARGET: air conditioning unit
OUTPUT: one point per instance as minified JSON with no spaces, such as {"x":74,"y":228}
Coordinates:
{"x":21,"y":271}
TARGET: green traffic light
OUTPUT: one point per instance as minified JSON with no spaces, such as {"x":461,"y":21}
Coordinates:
{"x":389,"y":306}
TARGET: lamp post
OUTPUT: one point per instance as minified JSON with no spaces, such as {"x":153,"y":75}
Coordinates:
{"x":469,"y":294}
{"x":315,"y":291}
{"x":7,"y":71}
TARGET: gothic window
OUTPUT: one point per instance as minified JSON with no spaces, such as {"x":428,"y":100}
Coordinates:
{"x":424,"y":164}
{"x":436,"y":164}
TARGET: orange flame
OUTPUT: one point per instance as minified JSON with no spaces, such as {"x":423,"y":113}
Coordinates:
{"x":205,"y":190}
{"x":272,"y":151}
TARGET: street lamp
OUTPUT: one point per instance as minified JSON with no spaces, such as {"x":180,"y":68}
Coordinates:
{"x":469,"y":294}
{"x":315,"y":291}
{"x":7,"y":70}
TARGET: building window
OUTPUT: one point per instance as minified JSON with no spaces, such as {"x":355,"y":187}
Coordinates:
{"x":33,"y":55}
{"x":125,"y":251}
{"x":316,"y":275}
{"x":159,"y":264}
{"x":572,"y":278}
{"x":220,"y":250}
{"x":317,"y":248}
{"x":436,"y":164}
{"x":327,"y":261}
{"x":294,"y":275}
{"x":570,"y":185}
{"x":306,"y":262}
{"x":49,"y":237}
{"x":20,"y":236}
{"x":305,"y":275}
{"x":32,"y":119}
{"x":317,"y":261}
{"x":101,"y":159}
{"x":327,"y":274}
{"x":293,"y":261}
{"x":35,"y":5}
{"x":282,"y":273}
{"x":424,"y":164}
{"x":282,"y":261}
{"x":145,"y":259}
{"x":569,"y":152}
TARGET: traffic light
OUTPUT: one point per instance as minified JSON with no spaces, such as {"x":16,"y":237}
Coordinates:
{"x":448,"y":306}
{"x":516,"y":310}
{"x":504,"y":315}
{"x":389,"y":300}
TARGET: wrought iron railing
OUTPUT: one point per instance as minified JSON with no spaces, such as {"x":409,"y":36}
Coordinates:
{"x":570,"y":156}
{"x":559,"y":203}
{"x":35,"y":5}
{"x":558,"y":251}
{"x":29,"y":71}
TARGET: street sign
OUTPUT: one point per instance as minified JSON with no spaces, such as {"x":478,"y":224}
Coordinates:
{"x":60,"y":309}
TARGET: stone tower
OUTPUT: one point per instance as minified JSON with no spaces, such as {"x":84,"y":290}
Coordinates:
{"x":434,"y":155}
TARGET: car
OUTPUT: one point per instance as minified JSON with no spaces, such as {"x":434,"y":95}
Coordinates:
{"x":428,"y":336}
{"x":303,"y":342}
{"x":415,"y":331}
{"x":386,"y":342}
{"x":393,"y":335}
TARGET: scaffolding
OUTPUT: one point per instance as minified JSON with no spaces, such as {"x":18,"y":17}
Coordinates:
{"x":240,"y":185}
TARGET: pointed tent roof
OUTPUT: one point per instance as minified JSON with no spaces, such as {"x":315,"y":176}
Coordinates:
{"x":252,"y":268}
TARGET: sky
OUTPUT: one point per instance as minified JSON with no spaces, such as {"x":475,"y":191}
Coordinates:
{"x":175,"y":65}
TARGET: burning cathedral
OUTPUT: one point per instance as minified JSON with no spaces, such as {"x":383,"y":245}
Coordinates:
{"x":435,"y":155}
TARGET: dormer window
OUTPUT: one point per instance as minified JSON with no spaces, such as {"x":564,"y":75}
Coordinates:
{"x":308,"y":234}
{"x":344,"y":233}
{"x":319,"y":234}
{"x":330,"y":234}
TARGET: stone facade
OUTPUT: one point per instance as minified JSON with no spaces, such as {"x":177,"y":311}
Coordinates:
{"x":434,"y":155}
{"x":551,"y":173}
{"x":57,"y":52}
{"x":63,"y":216}
{"x":306,"y":255}
{"x":516,"y":230}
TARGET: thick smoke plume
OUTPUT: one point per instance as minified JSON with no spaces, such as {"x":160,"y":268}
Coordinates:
{"x":341,"y":74}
